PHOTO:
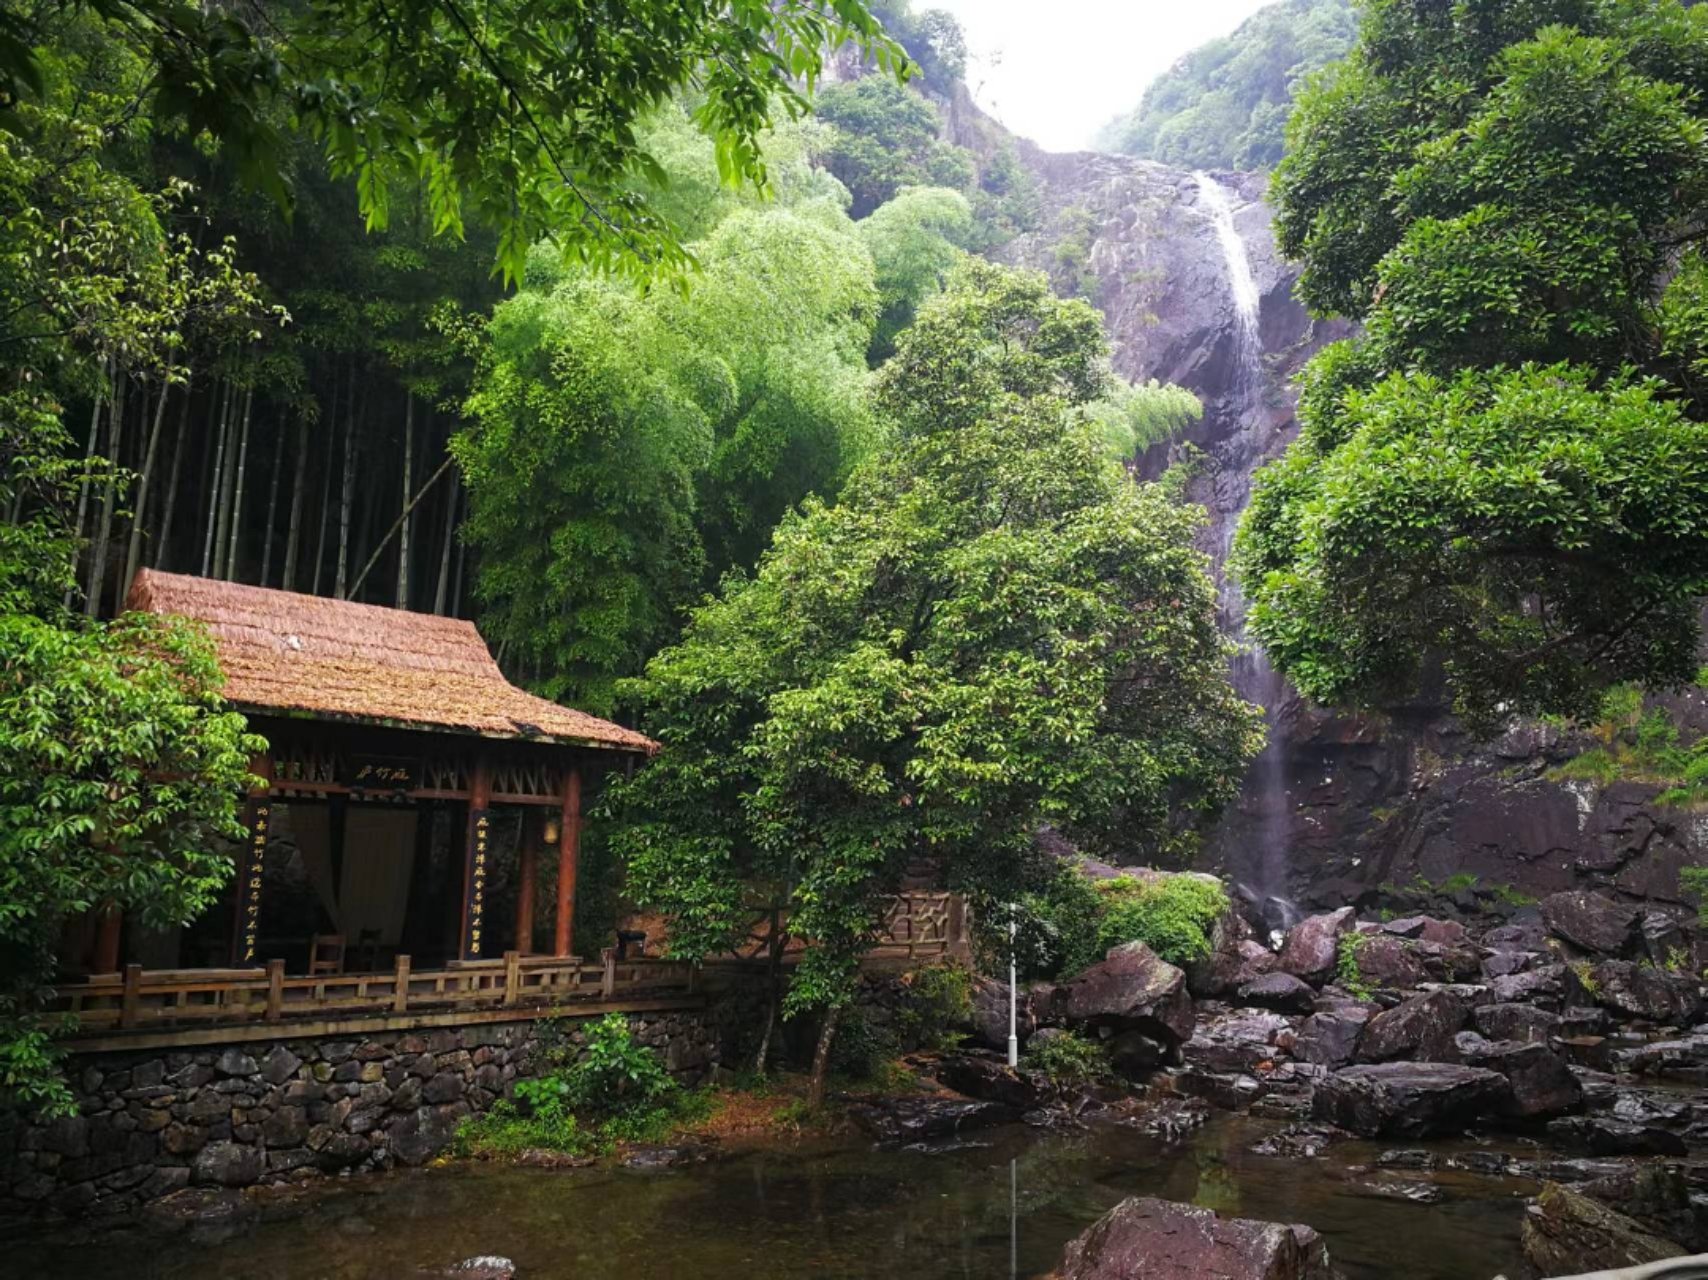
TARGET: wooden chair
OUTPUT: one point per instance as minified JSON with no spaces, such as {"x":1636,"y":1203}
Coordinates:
{"x":367,"y":956}
{"x":326,"y":954}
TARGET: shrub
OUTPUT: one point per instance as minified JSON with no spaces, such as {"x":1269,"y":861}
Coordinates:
{"x":1067,"y":1059}
{"x":862,"y":1049}
{"x":1347,"y":971}
{"x":614,"y":1073}
{"x":1057,"y":932}
{"x":1694,"y":882}
{"x":1173,"y":916}
{"x":935,"y":1001}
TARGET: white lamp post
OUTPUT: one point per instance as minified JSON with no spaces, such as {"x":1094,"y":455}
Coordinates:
{"x":1013,"y":995}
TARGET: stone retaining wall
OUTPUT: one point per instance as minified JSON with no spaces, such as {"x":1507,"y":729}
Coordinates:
{"x":154,"y":1121}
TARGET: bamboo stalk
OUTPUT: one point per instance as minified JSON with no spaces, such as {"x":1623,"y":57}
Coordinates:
{"x":273,"y":500}
{"x":297,"y":487}
{"x":115,"y":438}
{"x":163,"y":536}
{"x":216,"y":480}
{"x":403,"y":520}
{"x":236,"y":522}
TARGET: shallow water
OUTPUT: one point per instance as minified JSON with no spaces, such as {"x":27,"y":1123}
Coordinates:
{"x":1000,"y":1205}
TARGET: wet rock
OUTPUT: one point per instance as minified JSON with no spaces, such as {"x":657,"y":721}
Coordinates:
{"x":1226,"y":1091}
{"x":1685,"y":1052}
{"x":1161,"y":1240}
{"x":417,"y":1136}
{"x":229,"y":1164}
{"x":910,"y":1119}
{"x":1230,"y":962}
{"x":1302,"y":1141}
{"x":1590,"y":921}
{"x":1135,"y":1054}
{"x":1278,"y":991}
{"x":541,"y":1158}
{"x":1330,"y":1039}
{"x":1658,"y":1197}
{"x":1129,"y":990}
{"x":1550,"y":986}
{"x":198,"y":1207}
{"x":990,"y":1013}
{"x":1408,"y":1099}
{"x":660,"y":1156}
{"x":1517,"y":936}
{"x":1646,"y":992}
{"x":1503,"y":964}
{"x":1396,"y":1189}
{"x":1600,"y":1135}
{"x":1665,"y":941}
{"x":991,"y":1081}
{"x":486,"y":1266}
{"x":1420,"y":1029}
{"x":1172,"y":1119}
{"x":1542,"y":1083}
{"x":1522,"y":1022}
{"x":1313,"y":946}
{"x":279,"y":1065}
{"x":234,"y":1062}
{"x":1568,"y":1233}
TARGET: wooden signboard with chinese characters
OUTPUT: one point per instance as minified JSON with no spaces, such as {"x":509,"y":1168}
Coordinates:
{"x":383,"y":774}
{"x":476,"y":945}
{"x":252,"y":870}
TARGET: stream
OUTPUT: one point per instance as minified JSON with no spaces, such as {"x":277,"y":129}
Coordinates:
{"x":997,"y":1203}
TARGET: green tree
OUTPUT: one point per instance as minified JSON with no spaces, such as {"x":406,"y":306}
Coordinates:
{"x":1502,"y":478}
{"x":993,"y":629}
{"x":886,"y":138}
{"x":523,"y":117}
{"x":1226,"y":104}
{"x":914,"y":240}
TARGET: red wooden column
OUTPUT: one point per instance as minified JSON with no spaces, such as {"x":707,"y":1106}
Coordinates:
{"x":568,"y":851}
{"x":476,"y":943}
{"x":527,"y":872}
{"x":109,"y":924}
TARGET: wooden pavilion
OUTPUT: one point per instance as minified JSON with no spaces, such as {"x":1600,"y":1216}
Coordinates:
{"x":409,"y":793}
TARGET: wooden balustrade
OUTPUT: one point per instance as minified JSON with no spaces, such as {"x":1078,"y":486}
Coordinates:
{"x":143,"y":998}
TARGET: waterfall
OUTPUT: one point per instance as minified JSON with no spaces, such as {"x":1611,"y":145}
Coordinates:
{"x":1262,"y":875}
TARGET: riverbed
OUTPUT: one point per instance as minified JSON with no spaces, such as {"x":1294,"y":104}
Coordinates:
{"x":998,"y":1203}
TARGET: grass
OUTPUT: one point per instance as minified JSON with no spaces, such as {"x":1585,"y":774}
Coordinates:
{"x":1347,"y":971}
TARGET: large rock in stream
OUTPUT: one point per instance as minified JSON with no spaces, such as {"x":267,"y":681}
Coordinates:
{"x":1566,"y":1234}
{"x":1143,"y":1238}
{"x":1421,"y":1029}
{"x":1646,"y":992}
{"x":1590,"y":921}
{"x":1409,"y":1099}
{"x":1130,"y":990}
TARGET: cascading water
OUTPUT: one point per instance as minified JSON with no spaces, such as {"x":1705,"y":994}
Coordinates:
{"x":1262,"y":874}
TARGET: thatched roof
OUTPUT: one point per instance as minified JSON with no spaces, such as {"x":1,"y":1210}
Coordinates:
{"x":337,"y":660}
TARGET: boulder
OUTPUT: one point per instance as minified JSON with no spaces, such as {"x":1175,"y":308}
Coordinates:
{"x":1550,"y":986}
{"x":1503,"y":964}
{"x":1227,"y":966}
{"x":1521,"y":1022}
{"x":1658,"y":1197}
{"x":1161,"y":1240}
{"x":991,"y":1081}
{"x":1608,"y":1136}
{"x":1278,"y":991}
{"x":1313,"y":945}
{"x":1568,"y":1233}
{"x":1390,"y":962}
{"x":1408,"y":1099}
{"x":1590,"y":921}
{"x":1420,"y":1029}
{"x":990,"y":1013}
{"x":1542,"y":1081}
{"x":1330,"y":1039}
{"x":1235,"y":1043}
{"x":1646,"y":992}
{"x":1129,"y":990}
{"x":486,"y":1266}
{"x":1665,"y":941}
{"x":1517,"y":936}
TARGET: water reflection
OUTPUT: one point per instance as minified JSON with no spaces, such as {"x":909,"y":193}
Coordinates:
{"x":1005,"y":1203}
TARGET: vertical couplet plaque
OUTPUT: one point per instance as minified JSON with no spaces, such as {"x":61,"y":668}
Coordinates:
{"x":474,"y":930}
{"x":252,"y":870}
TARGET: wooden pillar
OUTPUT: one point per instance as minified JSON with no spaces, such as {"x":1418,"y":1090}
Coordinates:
{"x":568,"y":852}
{"x":527,"y":871}
{"x":476,"y":944}
{"x":252,"y":866}
{"x":109,"y":928}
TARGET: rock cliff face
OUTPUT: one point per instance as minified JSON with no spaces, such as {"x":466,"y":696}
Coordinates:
{"x":1340,"y":806}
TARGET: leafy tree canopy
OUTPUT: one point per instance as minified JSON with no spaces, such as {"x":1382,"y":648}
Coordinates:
{"x":1502,"y":475}
{"x":1225,"y":105}
{"x":523,"y":117}
{"x":994,"y":628}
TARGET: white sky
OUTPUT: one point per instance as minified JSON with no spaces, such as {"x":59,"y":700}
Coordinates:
{"x":1056,"y":71}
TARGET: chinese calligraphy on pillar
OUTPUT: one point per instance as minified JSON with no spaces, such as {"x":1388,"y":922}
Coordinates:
{"x":251,"y":870}
{"x":480,"y":829}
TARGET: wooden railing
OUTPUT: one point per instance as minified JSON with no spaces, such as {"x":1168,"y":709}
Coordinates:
{"x":145,"y":998}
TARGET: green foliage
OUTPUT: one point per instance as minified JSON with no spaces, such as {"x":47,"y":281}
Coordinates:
{"x":1505,"y":472}
{"x":994,"y":628}
{"x":932,"y":38}
{"x":1641,"y":745}
{"x":474,"y":111}
{"x":1348,"y":973}
{"x":1056,"y":926}
{"x":862,"y":1049}
{"x":1586,"y":977}
{"x":615,"y":1090}
{"x":1172,"y":915}
{"x":658,"y":437}
{"x":1226,"y":104}
{"x":1693,"y":881}
{"x":1068,"y":1061}
{"x":914,"y":241}
{"x":884,"y":139}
